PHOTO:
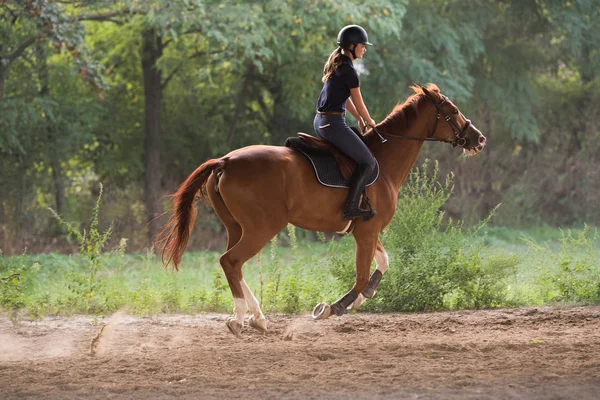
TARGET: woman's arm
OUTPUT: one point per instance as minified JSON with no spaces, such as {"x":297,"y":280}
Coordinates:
{"x":361,"y":109}
{"x":350,"y":107}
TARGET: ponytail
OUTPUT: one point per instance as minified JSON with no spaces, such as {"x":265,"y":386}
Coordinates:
{"x":333,"y":62}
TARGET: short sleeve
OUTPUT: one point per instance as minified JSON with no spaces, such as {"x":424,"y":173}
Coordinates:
{"x":351,"y":77}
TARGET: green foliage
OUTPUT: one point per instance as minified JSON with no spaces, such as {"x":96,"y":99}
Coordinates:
{"x":87,"y":286}
{"x":240,"y":73}
{"x":25,"y":23}
{"x":219,"y":291}
{"x":14,"y":284}
{"x":481,"y":281}
{"x":574,"y":275}
{"x":562,"y":268}
{"x":196,"y":302}
{"x":272,"y":276}
{"x":434,"y":265}
{"x":143,"y":300}
{"x":171,"y":295}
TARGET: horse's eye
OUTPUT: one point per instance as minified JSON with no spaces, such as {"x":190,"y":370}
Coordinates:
{"x":455,"y":111}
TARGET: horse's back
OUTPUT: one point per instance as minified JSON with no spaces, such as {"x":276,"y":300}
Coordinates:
{"x":260,"y":167}
{"x":259,"y":161}
{"x":271,"y":168}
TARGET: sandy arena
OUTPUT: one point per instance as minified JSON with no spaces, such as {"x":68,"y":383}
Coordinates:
{"x":532,"y":353}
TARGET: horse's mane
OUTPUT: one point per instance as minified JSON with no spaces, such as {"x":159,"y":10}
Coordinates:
{"x":404,"y":113}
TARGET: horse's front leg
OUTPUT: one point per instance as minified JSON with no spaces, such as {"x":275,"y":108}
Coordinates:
{"x":365,"y":250}
{"x":382,"y":264}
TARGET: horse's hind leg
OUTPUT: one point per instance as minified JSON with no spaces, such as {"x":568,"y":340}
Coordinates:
{"x":234,"y":229}
{"x":234,"y":234}
{"x":250,"y":226}
{"x":257,"y":320}
{"x":232,"y":261}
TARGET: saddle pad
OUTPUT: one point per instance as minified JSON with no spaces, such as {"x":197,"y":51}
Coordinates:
{"x":326,"y":168}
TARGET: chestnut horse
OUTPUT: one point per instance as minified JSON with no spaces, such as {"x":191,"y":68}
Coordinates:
{"x":257,"y":190}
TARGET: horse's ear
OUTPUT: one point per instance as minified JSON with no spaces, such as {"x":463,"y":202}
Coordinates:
{"x":432,"y":93}
{"x":425,"y":91}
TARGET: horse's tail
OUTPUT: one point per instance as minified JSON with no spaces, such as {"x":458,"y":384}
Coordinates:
{"x":173,"y":239}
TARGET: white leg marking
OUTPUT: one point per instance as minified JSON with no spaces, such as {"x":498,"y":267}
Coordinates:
{"x":382,"y":261}
{"x":252,"y":301}
{"x":239,"y":309}
{"x":257,"y":320}
{"x":357,"y":303}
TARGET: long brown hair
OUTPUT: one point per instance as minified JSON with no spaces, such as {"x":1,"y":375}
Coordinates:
{"x":333,"y":62}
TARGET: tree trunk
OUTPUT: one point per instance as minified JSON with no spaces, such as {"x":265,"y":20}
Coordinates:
{"x":151,"y":52}
{"x":281,"y":124}
{"x":59,"y":184}
{"x":488,"y":189}
{"x":586,"y":68}
{"x":57,"y":176}
{"x":3,"y":71}
{"x":239,"y":106}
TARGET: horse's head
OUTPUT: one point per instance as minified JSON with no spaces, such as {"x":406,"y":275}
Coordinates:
{"x":454,"y":128}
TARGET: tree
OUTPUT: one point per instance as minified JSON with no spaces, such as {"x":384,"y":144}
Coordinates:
{"x":33,"y":31}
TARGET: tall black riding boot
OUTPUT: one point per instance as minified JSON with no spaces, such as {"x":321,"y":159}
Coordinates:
{"x":359,"y":180}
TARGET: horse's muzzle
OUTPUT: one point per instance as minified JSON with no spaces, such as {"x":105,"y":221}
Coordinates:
{"x":478,"y":142}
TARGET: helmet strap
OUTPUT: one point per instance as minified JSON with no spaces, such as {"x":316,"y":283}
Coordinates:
{"x":348,"y":49}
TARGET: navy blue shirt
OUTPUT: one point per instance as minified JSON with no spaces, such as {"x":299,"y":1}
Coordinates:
{"x":336,"y":90}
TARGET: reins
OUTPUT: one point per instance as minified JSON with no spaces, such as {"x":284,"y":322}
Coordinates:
{"x":460,"y":140}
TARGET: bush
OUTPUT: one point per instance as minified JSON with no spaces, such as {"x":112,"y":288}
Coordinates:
{"x":87,"y":286}
{"x":434,"y":264}
{"x":15,"y":283}
{"x":570,"y":273}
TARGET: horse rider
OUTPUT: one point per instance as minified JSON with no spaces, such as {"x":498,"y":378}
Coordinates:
{"x":341,"y":92}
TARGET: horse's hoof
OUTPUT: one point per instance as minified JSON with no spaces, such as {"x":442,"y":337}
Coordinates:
{"x":321,"y":311}
{"x":235,"y":326}
{"x":260,"y":324}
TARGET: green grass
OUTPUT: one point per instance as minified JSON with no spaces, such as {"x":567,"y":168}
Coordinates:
{"x":434,"y":265}
{"x":555,"y":265}
{"x":562,"y":268}
{"x":54,"y":284}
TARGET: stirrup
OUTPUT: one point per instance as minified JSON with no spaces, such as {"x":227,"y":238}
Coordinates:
{"x":363,"y":209}
{"x":360,"y":213}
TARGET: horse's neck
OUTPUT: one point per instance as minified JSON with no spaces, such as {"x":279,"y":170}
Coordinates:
{"x":397,"y":157}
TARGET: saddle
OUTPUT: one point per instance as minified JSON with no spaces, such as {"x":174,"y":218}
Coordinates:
{"x":332,"y":167}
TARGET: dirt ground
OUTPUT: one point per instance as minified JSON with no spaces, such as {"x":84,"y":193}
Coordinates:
{"x":532,"y":353}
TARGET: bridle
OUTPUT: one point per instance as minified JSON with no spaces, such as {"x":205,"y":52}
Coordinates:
{"x":459,"y":133}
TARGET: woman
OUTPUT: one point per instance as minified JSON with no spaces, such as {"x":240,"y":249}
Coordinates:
{"x":341,"y":92}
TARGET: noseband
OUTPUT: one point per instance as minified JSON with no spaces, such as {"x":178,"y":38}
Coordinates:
{"x":459,"y":139}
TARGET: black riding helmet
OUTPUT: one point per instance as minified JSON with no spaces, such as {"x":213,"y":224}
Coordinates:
{"x":352,"y":34}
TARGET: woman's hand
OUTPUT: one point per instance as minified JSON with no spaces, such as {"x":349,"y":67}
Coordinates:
{"x":361,"y":125}
{"x":371,"y":123}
